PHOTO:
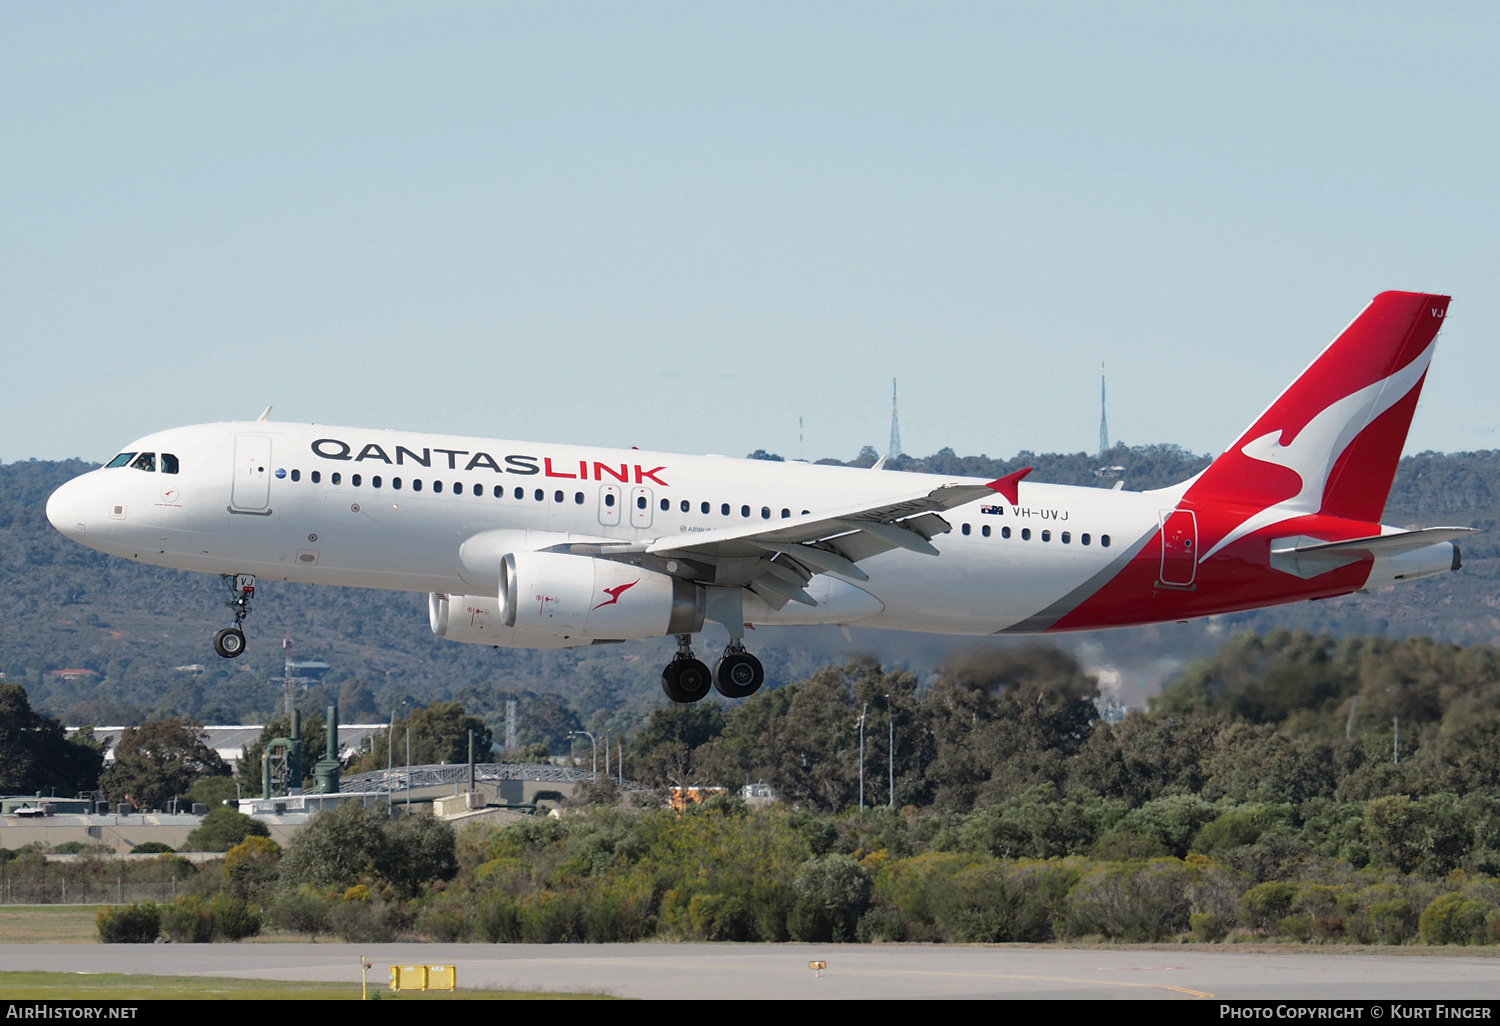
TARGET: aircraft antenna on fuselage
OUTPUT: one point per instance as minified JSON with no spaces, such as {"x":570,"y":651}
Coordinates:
{"x":264,"y":415}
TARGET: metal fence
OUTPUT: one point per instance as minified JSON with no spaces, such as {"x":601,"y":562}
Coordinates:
{"x":101,"y":882}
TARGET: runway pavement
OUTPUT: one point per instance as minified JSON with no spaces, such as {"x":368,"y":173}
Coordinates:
{"x":780,"y":971}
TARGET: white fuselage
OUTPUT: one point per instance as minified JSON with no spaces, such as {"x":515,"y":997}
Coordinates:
{"x":322,"y":505}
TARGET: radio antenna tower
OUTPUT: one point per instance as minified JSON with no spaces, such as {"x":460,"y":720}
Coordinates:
{"x":895,"y":449}
{"x":1103,"y":420}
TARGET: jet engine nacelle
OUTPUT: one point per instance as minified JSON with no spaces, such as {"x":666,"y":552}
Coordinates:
{"x":476,"y":620}
{"x":582,"y":598}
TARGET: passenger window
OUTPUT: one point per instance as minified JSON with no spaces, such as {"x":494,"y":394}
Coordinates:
{"x":665,"y":505}
{"x":1066,"y":538}
{"x":557,"y":496}
{"x":119,"y":461}
{"x":609,"y":500}
{"x":336,"y":477}
{"x":1104,"y":540}
{"x":375,"y":481}
{"x":520,"y":493}
{"x":985,"y":530}
{"x":396,"y":483}
{"x":786,"y":514}
{"x":704,"y":508}
{"x":1026,"y":534}
{"x":317,"y":477}
{"x":145,"y":461}
{"x":578,"y":498}
{"x":1005,"y":532}
{"x":965,"y":529}
{"x":1083,"y":538}
{"x":640,"y":502}
{"x":684,"y":506}
{"x":804,"y":512}
{"x":168,"y":463}
{"x":479,"y":491}
{"x":724,"y":509}
{"x":1046,"y":536}
{"x":354,"y":480}
{"x":538,"y":495}
{"x":744,"y":511}
{"x":765,"y":512}
{"x":499,"y":492}
{"x":416,"y":484}
{"x":296,"y":475}
{"x":437,"y":486}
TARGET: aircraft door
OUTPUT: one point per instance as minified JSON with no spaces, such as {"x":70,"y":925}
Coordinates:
{"x":610,"y":502}
{"x":640,"y":507}
{"x":1179,"y":547}
{"x":252,"y":473}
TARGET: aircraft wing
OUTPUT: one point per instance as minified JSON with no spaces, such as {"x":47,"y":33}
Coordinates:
{"x":777,"y":559}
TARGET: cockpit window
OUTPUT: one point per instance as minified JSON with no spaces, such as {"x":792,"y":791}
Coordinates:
{"x":120,"y":460}
{"x":168,"y":463}
{"x":145,"y":461}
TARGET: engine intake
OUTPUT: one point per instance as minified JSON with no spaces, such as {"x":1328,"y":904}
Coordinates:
{"x":584,"y":598}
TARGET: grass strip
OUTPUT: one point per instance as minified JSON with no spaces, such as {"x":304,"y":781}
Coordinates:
{"x":40,"y":986}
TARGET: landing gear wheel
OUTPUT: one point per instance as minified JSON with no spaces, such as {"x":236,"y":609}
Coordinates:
{"x":739,"y":674}
{"x":686,"y":680}
{"x":229,"y":642}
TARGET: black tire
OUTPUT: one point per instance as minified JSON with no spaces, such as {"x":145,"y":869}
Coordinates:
{"x":738,"y":675}
{"x":230,"y":642}
{"x":686,"y":680}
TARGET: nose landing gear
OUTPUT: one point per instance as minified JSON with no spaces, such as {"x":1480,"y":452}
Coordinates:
{"x":230,"y":642}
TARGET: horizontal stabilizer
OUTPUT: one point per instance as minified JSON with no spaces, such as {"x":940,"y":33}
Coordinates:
{"x":1378,"y":545}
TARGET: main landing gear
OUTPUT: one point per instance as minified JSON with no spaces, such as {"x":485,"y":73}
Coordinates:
{"x":230,"y":642}
{"x":738,"y":674}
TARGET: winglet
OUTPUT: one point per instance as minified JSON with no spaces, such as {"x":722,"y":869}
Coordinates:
{"x":1010,"y":485}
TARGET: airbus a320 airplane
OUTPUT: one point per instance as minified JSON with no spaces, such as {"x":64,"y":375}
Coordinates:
{"x":534,"y":545}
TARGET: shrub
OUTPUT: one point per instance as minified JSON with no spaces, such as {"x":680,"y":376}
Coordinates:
{"x":128,"y":924}
{"x":222,"y":829}
{"x":301,"y":911}
{"x":233,"y":918}
{"x":446,"y":920}
{"x":832,"y":892}
{"x":1207,"y":927}
{"x":188,"y":920}
{"x":881,"y":923}
{"x":1264,"y":905}
{"x":250,"y":866}
{"x":153,"y":848}
{"x":1454,"y":919}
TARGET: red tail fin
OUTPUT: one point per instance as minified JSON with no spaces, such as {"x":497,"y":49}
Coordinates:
{"x":1331,"y":442}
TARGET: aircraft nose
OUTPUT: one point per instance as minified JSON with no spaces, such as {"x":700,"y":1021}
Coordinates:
{"x":67,"y":509}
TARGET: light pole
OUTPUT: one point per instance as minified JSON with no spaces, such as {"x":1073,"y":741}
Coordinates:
{"x":890,"y":773}
{"x":862,"y":754}
{"x":593,"y":749}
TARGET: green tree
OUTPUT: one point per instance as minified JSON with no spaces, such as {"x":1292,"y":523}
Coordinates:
{"x":439,"y":734}
{"x":415,"y":850}
{"x":35,"y":754}
{"x":336,"y":847}
{"x":159,"y":760}
{"x":222,"y":829}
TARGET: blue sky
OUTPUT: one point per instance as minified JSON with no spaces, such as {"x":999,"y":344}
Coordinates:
{"x":683,"y":226}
